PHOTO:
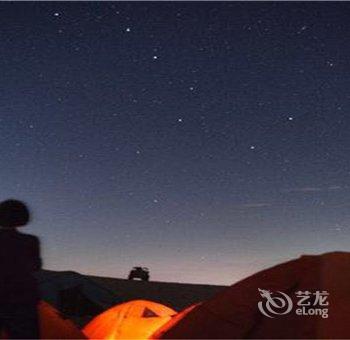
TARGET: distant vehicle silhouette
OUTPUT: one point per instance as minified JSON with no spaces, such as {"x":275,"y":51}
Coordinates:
{"x":141,"y":273}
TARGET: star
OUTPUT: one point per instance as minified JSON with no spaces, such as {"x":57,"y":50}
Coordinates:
{"x":56,"y":14}
{"x":290,"y":118}
{"x":155,"y":57}
{"x":252,"y":147}
{"x":337,"y":227}
{"x":180,"y":120}
{"x":303,"y":28}
{"x":128,"y":29}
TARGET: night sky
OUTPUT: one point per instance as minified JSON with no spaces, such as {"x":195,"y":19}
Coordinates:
{"x":203,"y":140}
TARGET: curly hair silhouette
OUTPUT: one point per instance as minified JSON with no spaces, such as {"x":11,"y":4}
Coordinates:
{"x":19,"y":259}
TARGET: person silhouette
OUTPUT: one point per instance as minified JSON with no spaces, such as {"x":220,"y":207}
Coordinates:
{"x":19,"y":259}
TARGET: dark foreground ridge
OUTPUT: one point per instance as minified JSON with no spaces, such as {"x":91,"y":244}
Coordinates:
{"x":81,"y":297}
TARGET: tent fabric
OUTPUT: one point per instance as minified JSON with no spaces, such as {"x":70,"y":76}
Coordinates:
{"x":136,"y":319}
{"x":53,"y":326}
{"x":69,"y":291}
{"x":172,"y":322}
{"x":234,"y":313}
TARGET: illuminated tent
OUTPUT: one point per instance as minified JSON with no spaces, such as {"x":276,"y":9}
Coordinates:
{"x":53,"y":326}
{"x":137,"y":319}
{"x":234,"y":313}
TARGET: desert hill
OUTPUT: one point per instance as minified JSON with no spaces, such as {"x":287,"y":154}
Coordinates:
{"x":175,"y":295}
{"x":81,"y":297}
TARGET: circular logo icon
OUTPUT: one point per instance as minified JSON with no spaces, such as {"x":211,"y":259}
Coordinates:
{"x":274,"y":305}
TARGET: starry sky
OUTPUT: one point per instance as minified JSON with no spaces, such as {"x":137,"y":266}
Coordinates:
{"x":205,"y":140}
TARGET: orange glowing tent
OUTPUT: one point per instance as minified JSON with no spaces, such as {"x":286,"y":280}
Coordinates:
{"x":136,"y":319}
{"x":235,"y":312}
{"x":53,"y":326}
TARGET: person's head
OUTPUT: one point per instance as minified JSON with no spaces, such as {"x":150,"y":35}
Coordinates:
{"x":13,"y":213}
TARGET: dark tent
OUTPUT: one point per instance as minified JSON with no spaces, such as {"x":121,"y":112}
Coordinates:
{"x":234,"y":313}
